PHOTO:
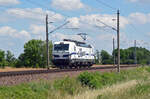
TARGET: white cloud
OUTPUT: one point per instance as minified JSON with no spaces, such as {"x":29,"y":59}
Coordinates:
{"x":106,"y":37}
{"x":74,"y":22}
{"x":34,"y":14}
{"x":139,"y":18}
{"x":104,"y":40}
{"x":67,"y":4}
{"x":23,"y":34}
{"x":90,"y":21}
{"x":148,"y":33}
{"x":9,"y":31}
{"x":9,"y":2}
{"x":37,"y":29}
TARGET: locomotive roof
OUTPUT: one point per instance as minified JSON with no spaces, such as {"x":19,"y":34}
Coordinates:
{"x":77,"y":42}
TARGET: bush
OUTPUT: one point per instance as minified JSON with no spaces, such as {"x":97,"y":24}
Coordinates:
{"x":68,"y":85}
{"x":92,"y":80}
{"x":97,"y":80}
{"x":109,"y":78}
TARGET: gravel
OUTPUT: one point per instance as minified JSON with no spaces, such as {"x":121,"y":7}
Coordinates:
{"x":14,"y":80}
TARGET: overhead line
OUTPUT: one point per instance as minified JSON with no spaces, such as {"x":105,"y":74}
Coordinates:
{"x":38,"y":4}
{"x":107,"y":25}
{"x":105,"y":4}
{"x":132,"y":25}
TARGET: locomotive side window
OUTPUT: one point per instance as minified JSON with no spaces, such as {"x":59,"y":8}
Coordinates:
{"x":61,"y":47}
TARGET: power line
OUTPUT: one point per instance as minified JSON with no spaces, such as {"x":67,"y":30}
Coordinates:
{"x":107,"y":25}
{"x":59,"y":27}
{"x":38,"y":4}
{"x":107,"y":5}
{"x":131,"y":25}
{"x":5,"y":8}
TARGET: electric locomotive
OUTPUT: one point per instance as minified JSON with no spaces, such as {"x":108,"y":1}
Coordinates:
{"x":71,"y":53}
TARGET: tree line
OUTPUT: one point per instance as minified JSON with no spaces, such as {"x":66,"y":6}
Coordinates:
{"x":34,"y":55}
{"x":127,"y":56}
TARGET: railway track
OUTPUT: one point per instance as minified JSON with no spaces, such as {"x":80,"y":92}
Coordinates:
{"x":32,"y":72}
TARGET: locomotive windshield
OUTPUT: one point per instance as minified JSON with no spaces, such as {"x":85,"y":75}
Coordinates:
{"x":61,"y":47}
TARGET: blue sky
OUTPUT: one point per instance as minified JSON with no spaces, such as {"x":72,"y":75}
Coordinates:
{"x":23,"y":20}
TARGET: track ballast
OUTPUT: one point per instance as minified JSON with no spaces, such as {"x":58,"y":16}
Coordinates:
{"x":32,"y":72}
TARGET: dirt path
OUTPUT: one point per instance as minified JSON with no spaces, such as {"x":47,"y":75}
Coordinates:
{"x":6,"y":69}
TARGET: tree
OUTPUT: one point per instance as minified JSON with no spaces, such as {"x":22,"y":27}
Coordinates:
{"x":2,"y":59}
{"x":34,"y":54}
{"x":106,"y":58}
{"x":10,"y":58}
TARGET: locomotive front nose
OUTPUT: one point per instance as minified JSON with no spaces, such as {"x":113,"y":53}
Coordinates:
{"x":64,"y":55}
{"x":61,"y":59}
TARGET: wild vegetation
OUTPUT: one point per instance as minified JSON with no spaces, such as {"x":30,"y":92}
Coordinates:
{"x":34,"y":55}
{"x":128,"y":84}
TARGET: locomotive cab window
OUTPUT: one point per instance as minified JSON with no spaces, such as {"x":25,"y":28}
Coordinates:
{"x":61,"y":47}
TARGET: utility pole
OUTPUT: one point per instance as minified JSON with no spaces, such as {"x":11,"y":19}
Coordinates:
{"x":47,"y":41}
{"x":47,"y":47}
{"x":114,"y":51}
{"x":118,"y":42}
{"x":135,"y":60}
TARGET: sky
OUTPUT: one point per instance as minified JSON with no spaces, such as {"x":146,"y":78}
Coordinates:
{"x":23,"y":20}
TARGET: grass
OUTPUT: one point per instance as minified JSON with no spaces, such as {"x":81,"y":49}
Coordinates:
{"x":128,"y":84}
{"x":25,"y":91}
{"x":57,"y":89}
{"x":105,"y":91}
{"x":136,"y":90}
{"x":68,"y":86}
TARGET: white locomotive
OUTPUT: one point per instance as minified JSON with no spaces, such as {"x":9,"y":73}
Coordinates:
{"x":72,"y":53}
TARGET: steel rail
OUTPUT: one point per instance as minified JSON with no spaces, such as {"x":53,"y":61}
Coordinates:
{"x":31,"y":72}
